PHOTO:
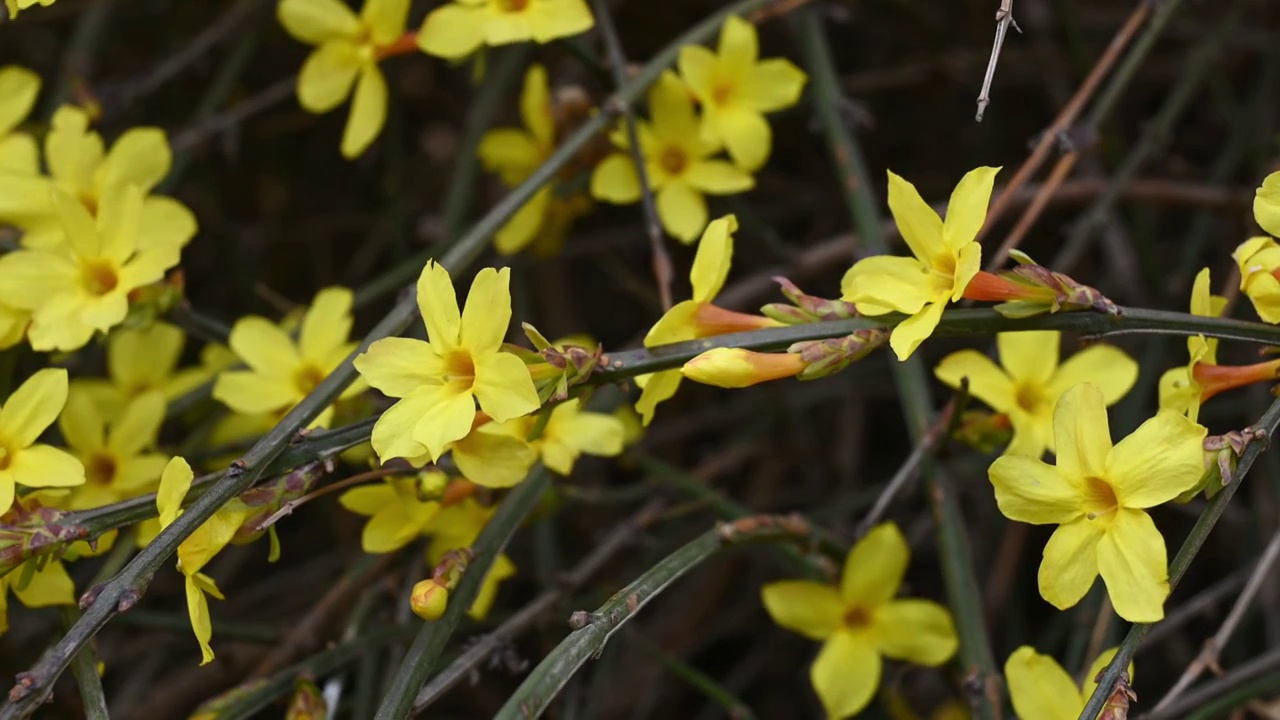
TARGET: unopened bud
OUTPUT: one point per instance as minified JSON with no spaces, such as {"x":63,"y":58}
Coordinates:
{"x":738,"y":368}
{"x":806,"y":308}
{"x":429,"y":599}
{"x":831,"y":355}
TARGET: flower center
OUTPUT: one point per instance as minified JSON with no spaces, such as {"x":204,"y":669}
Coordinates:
{"x":100,"y":469}
{"x":512,"y":6}
{"x":945,"y":264}
{"x":1029,"y":397}
{"x":1099,"y":498}
{"x":673,"y":160}
{"x":722,"y":92}
{"x":99,"y":277}
{"x":307,"y":377}
{"x":4,"y":458}
{"x":857,"y":618}
{"x":460,"y":368}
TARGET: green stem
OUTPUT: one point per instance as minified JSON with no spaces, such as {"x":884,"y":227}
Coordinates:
{"x":85,"y":669}
{"x":1265,"y":429}
{"x":593,"y":630}
{"x":429,"y":644}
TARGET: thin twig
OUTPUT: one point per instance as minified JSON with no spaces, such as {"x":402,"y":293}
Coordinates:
{"x":1260,"y":672}
{"x":288,"y":507}
{"x":662,"y":271}
{"x":1208,"y":657}
{"x":1004,"y":18}
{"x":909,"y":469}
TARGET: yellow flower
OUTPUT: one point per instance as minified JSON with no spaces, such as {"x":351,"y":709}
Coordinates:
{"x":281,"y":372}
{"x":514,"y":153}
{"x":736,"y":89}
{"x":50,"y":585}
{"x":113,"y":451}
{"x":1179,"y":390}
{"x":946,"y":259}
{"x":141,"y":360}
{"x":15,"y":5}
{"x":1259,"y":257}
{"x":861,"y":621}
{"x":456,"y":29}
{"x":697,"y":317}
{"x":82,"y":287}
{"x":456,"y":526}
{"x":678,"y":163}
{"x":1028,"y":382}
{"x":31,"y":409}
{"x":398,"y":510}
{"x":347,"y":53}
{"x":491,"y":455}
{"x":569,"y":433}
{"x":18,"y":152}
{"x":440,"y":381}
{"x":1097,"y":495}
{"x":1042,"y":690}
{"x":198,"y":549}
{"x":738,"y":368}
{"x":80,"y":167}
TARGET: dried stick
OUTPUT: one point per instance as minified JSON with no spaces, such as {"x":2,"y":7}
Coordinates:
{"x":1004,"y":18}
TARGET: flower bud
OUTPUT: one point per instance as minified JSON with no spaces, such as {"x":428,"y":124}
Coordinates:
{"x":738,"y":368}
{"x":429,"y":599}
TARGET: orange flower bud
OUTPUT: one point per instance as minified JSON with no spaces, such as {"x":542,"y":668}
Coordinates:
{"x":1214,"y":379}
{"x":709,"y":321}
{"x":737,"y":368}
{"x":429,"y":599}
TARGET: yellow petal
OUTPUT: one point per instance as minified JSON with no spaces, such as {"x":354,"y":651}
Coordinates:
{"x":326,"y":325}
{"x":1039,"y":688}
{"x":493,"y":459}
{"x":748,"y":138}
{"x":144,"y":357}
{"x":368,"y":112}
{"x":140,"y":156}
{"x":452,"y":31}
{"x":264,"y":346}
{"x":138,"y":426}
{"x":252,"y":393}
{"x":201,"y":623}
{"x":447,"y":419}
{"x":71,"y":150}
{"x":535,"y":105}
{"x":502,"y":569}
{"x":1162,"y":459}
{"x":560,"y":18}
{"x":82,"y":425}
{"x":439,"y":307}
{"x":77,"y":224}
{"x":1070,"y":562}
{"x":45,"y":466}
{"x":392,"y":435}
{"x":140,"y":473}
{"x":327,"y":76}
{"x":773,"y":85}
{"x":33,"y":407}
{"x":967,"y":209}
{"x":369,"y":499}
{"x":19,"y":88}
{"x":390,"y":529}
{"x":1090,"y":681}
{"x":1264,"y":293}
{"x":1082,"y":437}
{"x":1031,"y":356}
{"x":712,"y":260}
{"x":49,"y":586}
{"x":398,"y":366}
{"x":875,"y":566}
{"x":19,"y":154}
{"x":7,"y":491}
{"x":918,"y":631}
{"x":615,"y":180}
{"x":1180,"y":393}
{"x":683,"y":211}
{"x":524,"y":226}
{"x":886,"y":283}
{"x":739,"y":46}
{"x":588,"y":433}
{"x":1030,"y":491}
{"x":671,"y":110}
{"x":511,"y":153}
{"x":909,"y":333}
{"x":174,"y":484}
{"x":845,"y":674}
{"x":805,"y":607}
{"x":1106,"y":367}
{"x":698,"y":67}
{"x":385,"y":19}
{"x":658,"y":387}
{"x":504,"y":387}
{"x":967,"y":264}
{"x":1266,"y":204}
{"x":987,"y":381}
{"x":317,"y":21}
{"x":720,"y":177}
{"x":1133,"y":564}
{"x":487,"y":312}
{"x":920,"y":226}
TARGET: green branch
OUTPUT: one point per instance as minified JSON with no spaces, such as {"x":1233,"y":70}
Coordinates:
{"x":593,"y":630}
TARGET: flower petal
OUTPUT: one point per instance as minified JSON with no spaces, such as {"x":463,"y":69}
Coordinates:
{"x":398,"y":366}
{"x":683,"y":211}
{"x":327,"y":76}
{"x":45,"y":466}
{"x":918,"y":631}
{"x":493,"y":459}
{"x":165,"y":222}
{"x":874,"y":568}
{"x":201,"y":623}
{"x":19,"y":88}
{"x":368,"y":111}
{"x":72,"y":151}
{"x":721,"y":177}
{"x":1030,"y":356}
{"x":1039,"y":687}
{"x":772,"y":85}
{"x":175,"y":481}
{"x":33,"y":407}
{"x":49,"y":586}
{"x":83,"y":427}
{"x":504,"y":387}
{"x":967,"y":209}
{"x":920,"y":226}
{"x":487,"y":312}
{"x":697,"y":66}
{"x":1090,"y":677}
{"x":987,"y":381}
{"x":615,"y":180}
{"x":656,"y":388}
{"x":524,"y":226}
{"x":393,"y":432}
{"x":1266,"y":204}
{"x":1082,"y":438}
{"x":1160,"y":460}
{"x":739,"y":45}
{"x":846,"y":674}
{"x":909,"y":333}
{"x":138,"y":427}
{"x":439,"y":307}
{"x":1133,"y":563}
{"x":535,"y":105}
{"x":326,"y":325}
{"x":886,"y":283}
{"x":264,"y":346}
{"x":452,"y":31}
{"x":317,"y":21}
{"x":1070,"y":562}
{"x":1030,"y":491}
{"x":140,"y":156}
{"x":671,"y":109}
{"x":250,"y":392}
{"x":385,"y":19}
{"x":809,"y":608}
{"x":448,"y":419}
{"x":713,"y":258}
{"x":1108,"y":368}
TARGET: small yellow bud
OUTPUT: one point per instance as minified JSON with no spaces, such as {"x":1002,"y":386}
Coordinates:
{"x":429,"y":599}
{"x":737,"y":368}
